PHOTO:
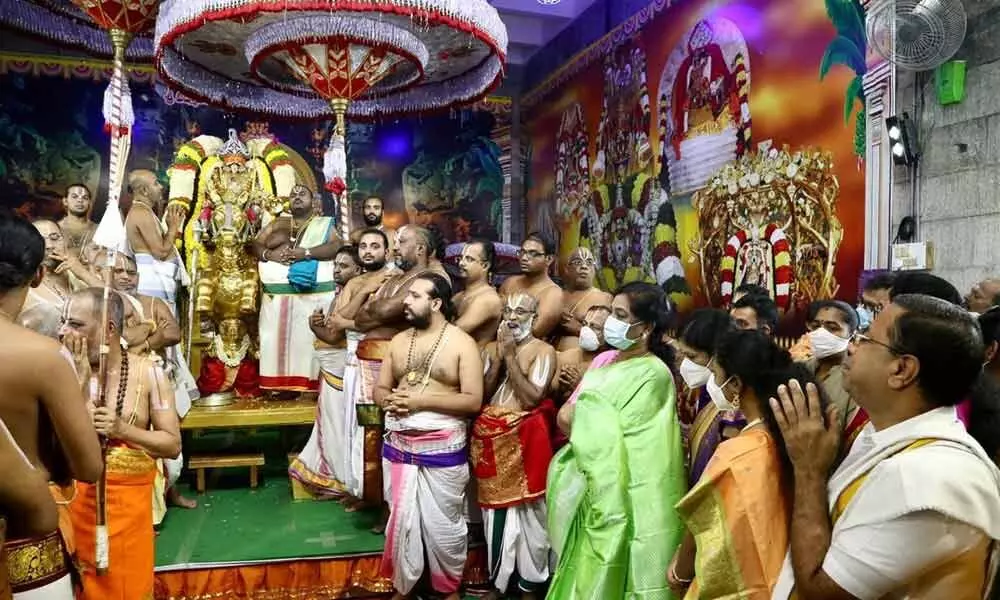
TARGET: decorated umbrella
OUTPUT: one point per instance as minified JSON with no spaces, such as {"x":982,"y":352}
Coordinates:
{"x":123,"y":19}
{"x":309,"y":59}
{"x":66,"y":24}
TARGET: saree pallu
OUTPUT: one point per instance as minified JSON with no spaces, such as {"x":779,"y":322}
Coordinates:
{"x":738,"y":515}
{"x":510,"y":452}
{"x":369,"y":415}
{"x":130,"y":474}
{"x":707,"y":432}
{"x":611,"y":492}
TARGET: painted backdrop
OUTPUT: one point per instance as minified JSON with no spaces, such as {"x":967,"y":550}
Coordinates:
{"x":710,"y":144}
{"x":448,"y":170}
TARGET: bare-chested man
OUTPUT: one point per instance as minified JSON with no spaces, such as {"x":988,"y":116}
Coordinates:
{"x":579,"y":295}
{"x":430,"y":383}
{"x":43,"y":407}
{"x":373,"y":211}
{"x":515,"y":426}
{"x":536,"y":254}
{"x":323,"y":465}
{"x":76,"y":225}
{"x":573,"y":363}
{"x":43,"y":308}
{"x":151,"y":330}
{"x":381,"y":318}
{"x":152,"y":243}
{"x":479,"y":305}
{"x":372,"y":248}
{"x":138,"y":418}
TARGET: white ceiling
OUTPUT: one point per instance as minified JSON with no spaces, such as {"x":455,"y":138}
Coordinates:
{"x":531,"y":24}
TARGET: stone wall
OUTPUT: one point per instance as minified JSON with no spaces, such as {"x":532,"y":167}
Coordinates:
{"x":958,"y":186}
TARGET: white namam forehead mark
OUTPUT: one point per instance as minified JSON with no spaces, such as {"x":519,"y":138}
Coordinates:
{"x":522,"y":301}
{"x":583,"y":253}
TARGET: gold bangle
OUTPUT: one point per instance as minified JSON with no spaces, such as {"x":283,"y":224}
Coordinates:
{"x":152,"y":325}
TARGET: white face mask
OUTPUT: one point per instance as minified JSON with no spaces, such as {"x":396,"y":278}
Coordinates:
{"x":716,"y":393}
{"x":616,"y":333}
{"x":693,"y":374}
{"x":589,"y":341}
{"x":825,"y":344}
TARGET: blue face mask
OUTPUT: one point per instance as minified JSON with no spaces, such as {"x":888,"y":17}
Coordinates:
{"x":865,"y":317}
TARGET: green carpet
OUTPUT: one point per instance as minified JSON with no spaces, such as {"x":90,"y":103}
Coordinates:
{"x":236,"y":524}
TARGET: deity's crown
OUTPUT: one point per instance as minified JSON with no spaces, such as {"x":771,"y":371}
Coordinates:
{"x":234,"y":150}
{"x":701,"y":35}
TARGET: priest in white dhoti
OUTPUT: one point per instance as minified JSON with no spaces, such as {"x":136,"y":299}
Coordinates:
{"x":913,"y":510}
{"x":296,"y":271}
{"x":153,"y":228}
{"x":430,"y":382}
{"x":324,"y":464}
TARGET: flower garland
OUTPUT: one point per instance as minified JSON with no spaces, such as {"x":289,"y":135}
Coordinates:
{"x":231,"y":361}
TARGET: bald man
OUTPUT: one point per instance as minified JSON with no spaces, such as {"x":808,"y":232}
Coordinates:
{"x":579,"y":295}
{"x":152,"y":241}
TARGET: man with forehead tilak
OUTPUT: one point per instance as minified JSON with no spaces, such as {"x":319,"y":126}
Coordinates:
{"x":381,"y":318}
{"x":296,"y":274}
{"x":579,"y":294}
{"x":514,"y":427}
{"x":151,"y":330}
{"x":479,"y":305}
{"x":137,"y":417}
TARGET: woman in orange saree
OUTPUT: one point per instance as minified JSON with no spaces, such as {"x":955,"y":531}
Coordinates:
{"x":737,"y":514}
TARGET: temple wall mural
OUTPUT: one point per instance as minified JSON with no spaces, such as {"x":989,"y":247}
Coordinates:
{"x":714,"y":144}
{"x":448,"y":170}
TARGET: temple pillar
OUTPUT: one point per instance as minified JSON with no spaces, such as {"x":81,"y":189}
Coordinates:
{"x":880,"y":102}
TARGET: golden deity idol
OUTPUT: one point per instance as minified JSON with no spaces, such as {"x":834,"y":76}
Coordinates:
{"x":236,"y":187}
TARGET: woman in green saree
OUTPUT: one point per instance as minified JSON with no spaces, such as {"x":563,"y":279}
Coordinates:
{"x":612,"y":489}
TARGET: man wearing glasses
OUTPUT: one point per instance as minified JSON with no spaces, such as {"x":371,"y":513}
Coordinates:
{"x":913,"y":508}
{"x":536,"y":255}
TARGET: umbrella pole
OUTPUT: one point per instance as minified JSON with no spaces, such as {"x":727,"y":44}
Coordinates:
{"x":339,"y":106}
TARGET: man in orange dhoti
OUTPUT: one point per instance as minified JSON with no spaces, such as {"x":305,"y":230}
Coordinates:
{"x":42,"y":406}
{"x":137,"y":418}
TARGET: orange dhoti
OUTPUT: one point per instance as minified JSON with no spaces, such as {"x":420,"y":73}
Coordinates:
{"x":130,"y":476}
{"x":370,"y":354}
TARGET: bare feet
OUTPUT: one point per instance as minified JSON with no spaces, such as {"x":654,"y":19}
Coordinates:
{"x":174,"y":498}
{"x":353,"y":504}
{"x":383,"y":521}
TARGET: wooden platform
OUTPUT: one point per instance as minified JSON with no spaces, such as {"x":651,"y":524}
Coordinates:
{"x":252,"y":412}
